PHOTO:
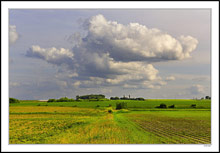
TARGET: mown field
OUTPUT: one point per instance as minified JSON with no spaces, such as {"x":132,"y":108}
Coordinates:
{"x":34,"y":122}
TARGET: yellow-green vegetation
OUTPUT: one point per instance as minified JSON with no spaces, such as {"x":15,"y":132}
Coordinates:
{"x":78,"y":123}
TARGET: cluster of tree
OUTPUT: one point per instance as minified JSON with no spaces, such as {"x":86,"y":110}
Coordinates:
{"x":126,"y":98}
{"x":63,"y":99}
{"x":100,"y":96}
{"x":165,"y":106}
{"x":114,"y":98}
{"x":13,"y":100}
{"x":206,"y":97}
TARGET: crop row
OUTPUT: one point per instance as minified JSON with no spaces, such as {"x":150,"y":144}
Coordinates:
{"x":175,"y":130}
{"x":171,"y":133}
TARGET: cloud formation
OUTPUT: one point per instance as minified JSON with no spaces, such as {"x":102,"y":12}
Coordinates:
{"x":13,"y":35}
{"x":113,"y":54}
{"x":134,"y":42}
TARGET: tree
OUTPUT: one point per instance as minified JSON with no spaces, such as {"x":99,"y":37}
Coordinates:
{"x":162,"y":106}
{"x":121,"y":105}
{"x":171,"y":106}
{"x":77,"y":97}
{"x":51,"y":100}
{"x":63,"y":99}
{"x":193,"y":105}
{"x":140,"y":98}
{"x":13,"y":100}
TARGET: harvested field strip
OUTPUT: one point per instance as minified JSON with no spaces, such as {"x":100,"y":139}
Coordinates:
{"x":176,"y":138}
{"x":176,"y":130}
{"x":160,"y":133}
{"x":187,"y":131}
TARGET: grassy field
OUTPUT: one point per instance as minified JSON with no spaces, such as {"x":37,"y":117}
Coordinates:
{"x":34,"y":122}
{"x":132,"y":104}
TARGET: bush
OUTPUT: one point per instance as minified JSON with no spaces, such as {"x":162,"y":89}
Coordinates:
{"x":109,"y":105}
{"x":13,"y":100}
{"x":109,"y":111}
{"x":172,"y":106}
{"x":74,"y":106}
{"x":51,"y":100}
{"x":193,"y":105}
{"x":140,"y":98}
{"x":121,"y":105}
{"x":38,"y":105}
{"x":162,"y":106}
{"x":98,"y":106}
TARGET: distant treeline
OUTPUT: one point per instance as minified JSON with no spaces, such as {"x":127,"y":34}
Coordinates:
{"x":126,"y":98}
{"x":92,"y":97}
{"x":79,"y":98}
{"x":13,"y":100}
{"x":100,"y":96}
{"x":63,"y":99}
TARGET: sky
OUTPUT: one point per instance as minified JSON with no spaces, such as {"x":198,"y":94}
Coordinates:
{"x":150,"y":53}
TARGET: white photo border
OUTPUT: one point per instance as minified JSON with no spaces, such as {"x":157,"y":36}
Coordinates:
{"x":110,"y":5}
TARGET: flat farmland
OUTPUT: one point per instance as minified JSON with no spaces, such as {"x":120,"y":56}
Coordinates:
{"x":34,"y":122}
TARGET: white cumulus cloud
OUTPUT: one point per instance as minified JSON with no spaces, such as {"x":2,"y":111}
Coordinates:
{"x":135,"y":42}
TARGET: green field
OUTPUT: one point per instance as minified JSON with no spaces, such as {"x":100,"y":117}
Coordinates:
{"x":34,"y":122}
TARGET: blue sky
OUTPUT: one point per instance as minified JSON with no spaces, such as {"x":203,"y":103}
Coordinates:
{"x":143,"y":53}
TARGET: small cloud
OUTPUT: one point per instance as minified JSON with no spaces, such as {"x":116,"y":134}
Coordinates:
{"x":51,"y":55}
{"x":14,"y":84}
{"x":170,"y":78}
{"x":13,"y":35}
{"x":196,"y":89}
{"x":76,"y":84}
{"x":73,"y":75}
{"x":128,"y":86}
